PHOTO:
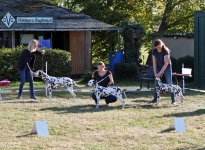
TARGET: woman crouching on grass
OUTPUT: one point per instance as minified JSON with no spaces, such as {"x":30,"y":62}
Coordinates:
{"x":106,"y":79}
{"x":25,"y":66}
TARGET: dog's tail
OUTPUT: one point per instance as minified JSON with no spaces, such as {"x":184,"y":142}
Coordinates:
{"x":124,"y":93}
{"x":77,"y":85}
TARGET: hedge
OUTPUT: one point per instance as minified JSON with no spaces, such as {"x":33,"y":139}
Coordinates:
{"x":125,"y":71}
{"x":59,"y":62}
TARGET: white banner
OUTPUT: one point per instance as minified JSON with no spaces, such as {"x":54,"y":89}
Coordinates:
{"x":34,"y":19}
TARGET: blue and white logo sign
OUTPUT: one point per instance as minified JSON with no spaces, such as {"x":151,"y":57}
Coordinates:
{"x":8,"y":20}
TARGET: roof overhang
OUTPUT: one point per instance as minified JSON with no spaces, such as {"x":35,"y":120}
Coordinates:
{"x":62,"y":25}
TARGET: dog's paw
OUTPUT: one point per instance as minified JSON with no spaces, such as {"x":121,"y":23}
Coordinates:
{"x":123,"y":106}
{"x":96,"y":106}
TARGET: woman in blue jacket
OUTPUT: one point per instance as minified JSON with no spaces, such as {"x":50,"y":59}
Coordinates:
{"x":162,"y":65}
{"x":25,"y":66}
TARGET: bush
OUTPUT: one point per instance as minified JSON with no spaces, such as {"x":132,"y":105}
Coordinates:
{"x":59,"y":62}
{"x":125,"y":71}
{"x":86,"y":77}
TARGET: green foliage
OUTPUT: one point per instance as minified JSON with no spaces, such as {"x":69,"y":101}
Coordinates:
{"x":164,"y":16}
{"x":111,"y":12}
{"x":132,"y":33}
{"x":125,"y":71}
{"x":8,"y":61}
{"x":59,"y":62}
{"x":86,"y":76}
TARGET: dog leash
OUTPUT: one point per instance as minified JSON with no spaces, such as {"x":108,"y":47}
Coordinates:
{"x":103,"y":79}
{"x":42,"y":62}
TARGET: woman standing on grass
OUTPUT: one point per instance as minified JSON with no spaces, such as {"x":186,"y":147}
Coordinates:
{"x":25,"y":66}
{"x":105,"y":78}
{"x":162,"y":65}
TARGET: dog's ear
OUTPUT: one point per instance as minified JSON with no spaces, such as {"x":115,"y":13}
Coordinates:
{"x":40,"y":73}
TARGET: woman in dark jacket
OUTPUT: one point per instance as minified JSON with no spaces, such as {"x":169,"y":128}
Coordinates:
{"x":105,"y":78}
{"x":162,"y":65}
{"x":25,"y":66}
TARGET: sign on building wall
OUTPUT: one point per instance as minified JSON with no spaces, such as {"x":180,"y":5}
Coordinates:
{"x":34,"y":19}
{"x":8,"y":20}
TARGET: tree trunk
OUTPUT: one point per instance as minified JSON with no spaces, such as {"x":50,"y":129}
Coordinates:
{"x":163,"y":26}
{"x":168,"y":9}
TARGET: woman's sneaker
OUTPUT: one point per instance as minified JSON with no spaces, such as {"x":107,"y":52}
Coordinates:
{"x":33,"y":97}
{"x":153,"y":101}
{"x":173,"y":102}
{"x":19,"y":97}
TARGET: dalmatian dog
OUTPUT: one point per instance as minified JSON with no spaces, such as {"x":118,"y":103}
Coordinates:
{"x":55,"y":82}
{"x":101,"y":91}
{"x":162,"y":88}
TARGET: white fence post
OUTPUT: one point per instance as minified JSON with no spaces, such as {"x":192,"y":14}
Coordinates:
{"x":46,"y":73}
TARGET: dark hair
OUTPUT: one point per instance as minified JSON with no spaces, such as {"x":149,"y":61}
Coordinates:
{"x":164,"y":47}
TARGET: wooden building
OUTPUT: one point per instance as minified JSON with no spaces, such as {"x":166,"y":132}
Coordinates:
{"x":23,"y":20}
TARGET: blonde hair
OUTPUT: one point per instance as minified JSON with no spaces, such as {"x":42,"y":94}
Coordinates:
{"x":31,"y":43}
{"x":101,"y":64}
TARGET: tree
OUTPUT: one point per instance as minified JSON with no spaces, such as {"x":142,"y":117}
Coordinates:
{"x":108,"y":11}
{"x":171,"y":16}
{"x":177,"y":15}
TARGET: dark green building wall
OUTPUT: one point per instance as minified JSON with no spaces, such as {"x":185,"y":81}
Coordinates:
{"x":199,"y":48}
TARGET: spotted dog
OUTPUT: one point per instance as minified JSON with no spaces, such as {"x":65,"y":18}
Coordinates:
{"x":162,"y":88}
{"x":101,"y":91}
{"x":55,"y":82}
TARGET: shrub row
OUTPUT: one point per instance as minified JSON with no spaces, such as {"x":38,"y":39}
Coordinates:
{"x":59,"y":62}
{"x":127,"y":71}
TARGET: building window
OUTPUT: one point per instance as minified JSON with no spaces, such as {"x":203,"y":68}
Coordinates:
{"x":4,"y":39}
{"x":25,"y":39}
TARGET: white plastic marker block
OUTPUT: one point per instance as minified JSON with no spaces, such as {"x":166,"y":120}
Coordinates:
{"x":144,"y":90}
{"x":178,"y":125}
{"x":40,"y":128}
{"x":131,"y":90}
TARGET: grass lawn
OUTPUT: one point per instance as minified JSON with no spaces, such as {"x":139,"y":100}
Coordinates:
{"x":79,"y":126}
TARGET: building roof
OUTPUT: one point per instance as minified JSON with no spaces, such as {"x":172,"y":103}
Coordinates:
{"x":188,"y":35}
{"x":63,"y":19}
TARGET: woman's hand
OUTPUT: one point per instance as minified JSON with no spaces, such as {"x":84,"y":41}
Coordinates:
{"x":111,"y":83}
{"x":158,"y":75}
{"x":43,"y":52}
{"x":111,"y":80}
{"x":32,"y":73}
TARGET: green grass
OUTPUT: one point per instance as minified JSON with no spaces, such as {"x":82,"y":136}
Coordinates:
{"x":79,"y":126}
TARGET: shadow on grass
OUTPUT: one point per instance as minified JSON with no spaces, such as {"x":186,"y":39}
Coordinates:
{"x":186,"y":114}
{"x":154,"y":106}
{"x":192,"y":148}
{"x":167,"y":130}
{"x":20,"y":101}
{"x":80,"y":109}
{"x":26,"y":135}
{"x":147,"y":105}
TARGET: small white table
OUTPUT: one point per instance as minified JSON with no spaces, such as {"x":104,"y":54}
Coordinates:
{"x":184,"y":76}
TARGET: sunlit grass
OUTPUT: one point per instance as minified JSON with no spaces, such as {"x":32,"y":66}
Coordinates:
{"x":78,"y":125}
